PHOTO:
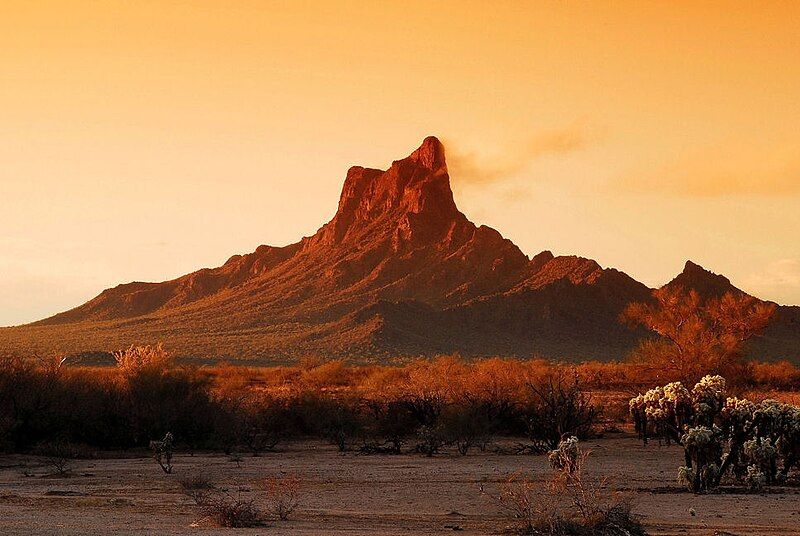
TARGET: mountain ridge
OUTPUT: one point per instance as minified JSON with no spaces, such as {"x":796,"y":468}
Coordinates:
{"x":398,"y":270}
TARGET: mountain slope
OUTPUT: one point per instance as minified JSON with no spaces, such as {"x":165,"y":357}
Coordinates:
{"x":781,"y":338}
{"x":397,"y":271}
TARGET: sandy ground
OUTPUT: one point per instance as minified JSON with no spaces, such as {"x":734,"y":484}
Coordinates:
{"x":369,"y":495}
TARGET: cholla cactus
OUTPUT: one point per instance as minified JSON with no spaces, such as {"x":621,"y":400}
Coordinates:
{"x":703,"y":450}
{"x":662,"y":411}
{"x":708,"y":397}
{"x":754,"y":479}
{"x":162,"y":452}
{"x":737,"y":413}
{"x":704,"y":421}
{"x":567,"y":457}
{"x":686,"y":476}
{"x":666,"y":411}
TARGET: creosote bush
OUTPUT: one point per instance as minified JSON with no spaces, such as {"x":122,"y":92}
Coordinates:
{"x":59,"y":455}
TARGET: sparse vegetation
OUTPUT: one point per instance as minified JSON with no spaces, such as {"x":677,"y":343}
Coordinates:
{"x":59,"y":455}
{"x":225,"y":510}
{"x":569,"y":503}
{"x":283,"y":495}
{"x":197,"y":487}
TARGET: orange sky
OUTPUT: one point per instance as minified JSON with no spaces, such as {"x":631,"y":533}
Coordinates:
{"x":140,"y":140}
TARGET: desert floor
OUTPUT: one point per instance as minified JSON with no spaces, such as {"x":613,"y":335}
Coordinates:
{"x":355,"y":494}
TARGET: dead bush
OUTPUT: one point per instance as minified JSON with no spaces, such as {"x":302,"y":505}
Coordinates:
{"x":59,"y":455}
{"x":232,"y":512}
{"x":531,"y":511}
{"x":197,"y":487}
{"x":283,"y":495}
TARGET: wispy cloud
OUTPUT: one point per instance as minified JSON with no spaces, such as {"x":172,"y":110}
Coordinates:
{"x":780,"y":279}
{"x":731,"y":169}
{"x":477,"y":169}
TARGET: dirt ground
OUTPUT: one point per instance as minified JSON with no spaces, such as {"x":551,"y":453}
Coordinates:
{"x":370,"y":495}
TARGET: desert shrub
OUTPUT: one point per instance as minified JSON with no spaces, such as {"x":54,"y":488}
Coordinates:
{"x":495,"y":390}
{"x":263,"y":421}
{"x":139,"y":360}
{"x":95,"y":410}
{"x":532,"y":511}
{"x":283,"y":495}
{"x":162,"y":398}
{"x":706,"y":423}
{"x":782,"y":375}
{"x":339,"y":420}
{"x":198,"y":487}
{"x":236,"y":458}
{"x":233,"y":512}
{"x":558,"y":407}
{"x":59,"y":455}
{"x":327,"y":375}
{"x":177,"y":401}
{"x":430,"y":440}
{"x":569,"y":503}
{"x":466,"y":426}
{"x":162,"y":452}
{"x":388,"y":426}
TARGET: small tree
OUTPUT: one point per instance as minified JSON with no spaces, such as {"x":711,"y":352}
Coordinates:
{"x":698,"y":337}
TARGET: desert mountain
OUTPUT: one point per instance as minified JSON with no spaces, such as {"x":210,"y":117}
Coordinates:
{"x":398,"y":271}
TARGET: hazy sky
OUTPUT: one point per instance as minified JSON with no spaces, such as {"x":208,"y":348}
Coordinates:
{"x":140,"y":140}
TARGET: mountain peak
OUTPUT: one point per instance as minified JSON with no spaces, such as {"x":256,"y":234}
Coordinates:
{"x":430,"y":154}
{"x":706,"y":283}
{"x":413,"y":195}
{"x":691,"y":267}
